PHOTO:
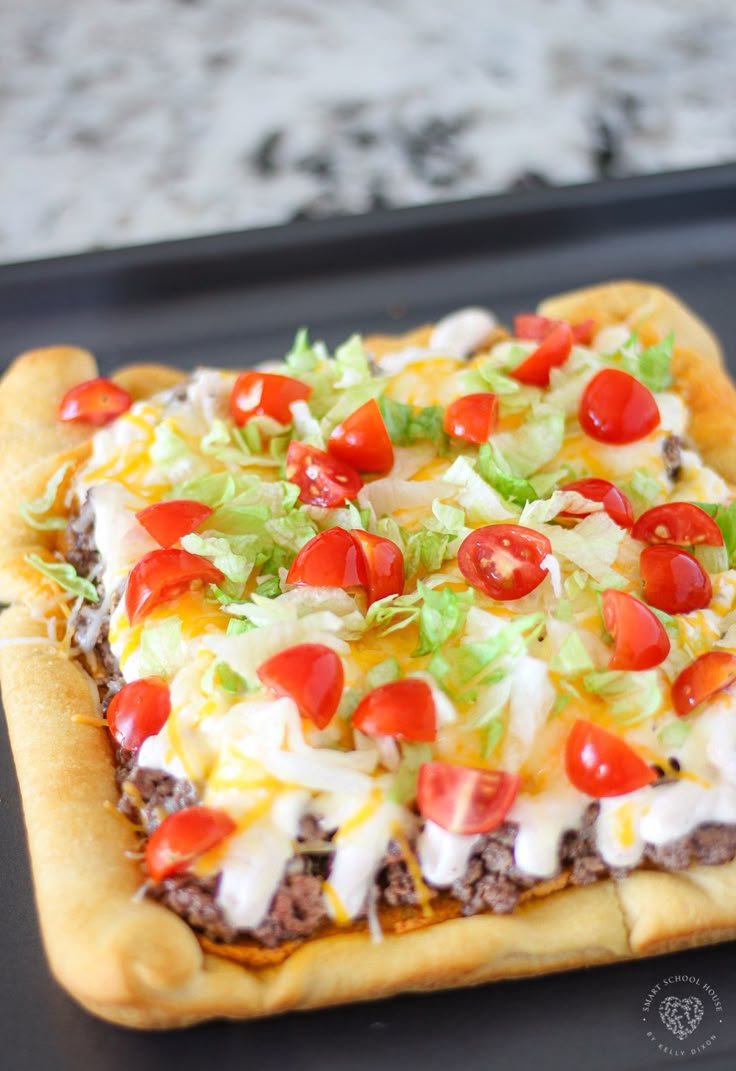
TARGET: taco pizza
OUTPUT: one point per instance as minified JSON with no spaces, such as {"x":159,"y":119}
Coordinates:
{"x":401,"y":667}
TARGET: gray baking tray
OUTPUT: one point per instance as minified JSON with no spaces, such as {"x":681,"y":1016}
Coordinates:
{"x":236,"y":299}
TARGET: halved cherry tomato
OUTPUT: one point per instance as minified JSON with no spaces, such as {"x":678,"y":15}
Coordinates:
{"x":322,"y":480}
{"x":640,"y":638}
{"x":616,"y":408}
{"x":702,"y":679}
{"x":362,"y":440}
{"x":551,"y":353}
{"x":465,"y":799}
{"x":504,"y":560}
{"x":615,"y":503}
{"x":341,"y":559}
{"x":138,"y":710}
{"x":167,"y":522}
{"x":161,"y":575}
{"x":175,"y":844}
{"x":674,"y":581}
{"x":311,"y":674}
{"x":601,"y":764}
{"x":682,"y":523}
{"x":96,"y":401}
{"x":331,"y":559}
{"x":472,"y":417}
{"x":265,"y":394}
{"x":530,"y":325}
{"x":404,"y":709}
{"x":384,"y":565}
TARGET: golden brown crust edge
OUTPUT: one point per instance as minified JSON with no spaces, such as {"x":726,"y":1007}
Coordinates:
{"x":136,"y":963}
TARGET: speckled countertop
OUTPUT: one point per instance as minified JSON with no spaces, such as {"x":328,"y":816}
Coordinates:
{"x":125,"y":121}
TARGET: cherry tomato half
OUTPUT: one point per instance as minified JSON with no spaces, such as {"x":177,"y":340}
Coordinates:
{"x":532,"y":326}
{"x":265,"y":394}
{"x":175,"y":844}
{"x":331,"y":559}
{"x":682,"y":523}
{"x":167,"y":522}
{"x":322,"y":480}
{"x":674,"y":581}
{"x":161,"y":575}
{"x":640,"y":638}
{"x":465,"y":799}
{"x":601,"y":764}
{"x":404,"y":709}
{"x":473,"y":417}
{"x":504,"y":560}
{"x":614,"y":502}
{"x":138,"y":710}
{"x":311,"y":674}
{"x":362,"y":440}
{"x":702,"y":679}
{"x":616,"y":408}
{"x":384,"y":565}
{"x":534,"y":370}
{"x":96,"y":401}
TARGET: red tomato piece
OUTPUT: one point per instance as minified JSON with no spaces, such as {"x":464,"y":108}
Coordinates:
{"x":640,"y":638}
{"x":322,"y":480}
{"x":682,"y":523}
{"x":465,"y":799}
{"x":265,"y":394}
{"x":330,"y":559}
{"x":529,"y":325}
{"x":614,"y":502}
{"x":674,"y":581}
{"x":167,"y":522}
{"x":183,"y":836}
{"x":601,"y":764}
{"x":138,"y":710}
{"x":702,"y":679}
{"x":404,"y":709}
{"x":504,"y":560}
{"x":473,"y":417}
{"x":616,"y":408}
{"x":384,"y":565}
{"x":311,"y":674}
{"x":96,"y":401}
{"x":161,"y":575}
{"x":362,"y":440}
{"x":534,"y":370}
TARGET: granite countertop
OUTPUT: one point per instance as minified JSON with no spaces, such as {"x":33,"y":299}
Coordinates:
{"x":134,"y":120}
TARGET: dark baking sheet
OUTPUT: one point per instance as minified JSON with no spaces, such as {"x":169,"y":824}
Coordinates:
{"x":237,"y":299}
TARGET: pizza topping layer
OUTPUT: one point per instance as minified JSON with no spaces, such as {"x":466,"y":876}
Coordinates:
{"x":470,"y":619}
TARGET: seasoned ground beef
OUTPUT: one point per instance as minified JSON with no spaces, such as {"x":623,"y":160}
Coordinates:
{"x":672,"y":454}
{"x":148,"y":796}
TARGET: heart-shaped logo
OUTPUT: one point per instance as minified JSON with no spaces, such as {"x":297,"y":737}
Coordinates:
{"x":681,"y":1015}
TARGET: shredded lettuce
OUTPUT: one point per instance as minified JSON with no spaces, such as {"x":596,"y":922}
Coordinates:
{"x":232,"y":555}
{"x":230,"y":681}
{"x":652,"y":365}
{"x":407,"y":424}
{"x":383,"y":673}
{"x":481,"y":502}
{"x":37,"y":513}
{"x":545,"y":510}
{"x":66,"y":576}
{"x":592,"y":545}
{"x":442,"y":615}
{"x":474,"y":664}
{"x":303,"y":357}
{"x":167,"y":447}
{"x":643,"y":487}
{"x":631,"y":696}
{"x":675,"y":734}
{"x":496,"y":472}
{"x":572,"y":657}
{"x":214,"y":490}
{"x":492,"y":735}
{"x":352,"y":362}
{"x":161,"y":649}
{"x":713,"y":559}
{"x":725,"y":518}
{"x":535,"y":443}
{"x":403,"y":788}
